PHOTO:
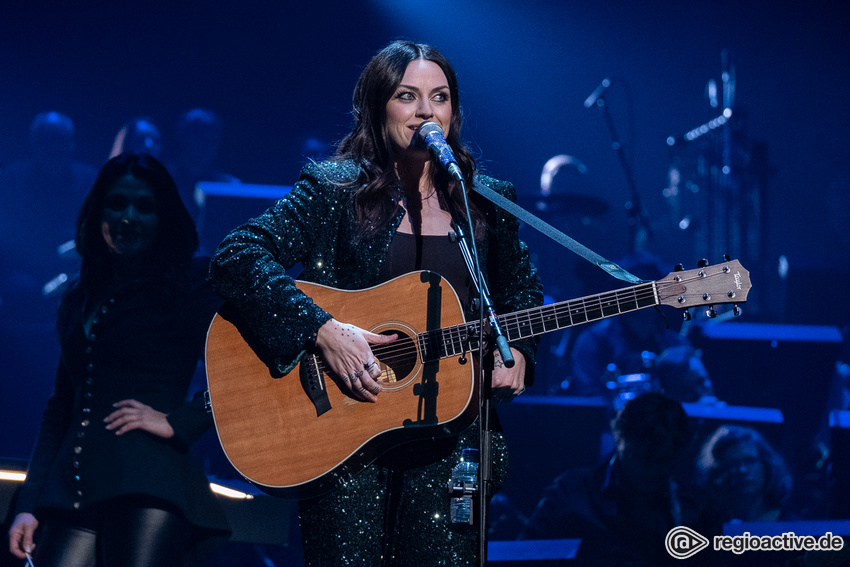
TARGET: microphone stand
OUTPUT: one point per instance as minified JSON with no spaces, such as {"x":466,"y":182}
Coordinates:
{"x":485,"y":438}
{"x":638,"y":223}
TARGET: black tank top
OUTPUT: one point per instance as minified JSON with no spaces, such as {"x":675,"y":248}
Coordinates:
{"x":409,"y":253}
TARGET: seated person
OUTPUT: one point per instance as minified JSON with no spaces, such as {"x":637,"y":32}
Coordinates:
{"x":623,"y":508}
{"x":682,"y":375}
{"x":200,"y":134}
{"x":141,"y":135}
{"x":617,"y":357}
{"x":746,"y":479}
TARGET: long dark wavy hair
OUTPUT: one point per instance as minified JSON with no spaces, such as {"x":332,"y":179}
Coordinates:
{"x":176,"y":236}
{"x":369,"y":145}
{"x":778,"y":479}
{"x":656,"y":422}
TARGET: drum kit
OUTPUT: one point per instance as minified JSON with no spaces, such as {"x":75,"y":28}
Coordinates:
{"x":712,"y":199}
{"x":568,"y":201}
{"x":704,"y":218}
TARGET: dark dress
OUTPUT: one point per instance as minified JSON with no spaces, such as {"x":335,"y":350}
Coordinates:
{"x":314,"y":226}
{"x":144,"y":344}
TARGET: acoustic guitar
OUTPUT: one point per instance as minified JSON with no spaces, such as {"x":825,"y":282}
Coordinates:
{"x":298,"y":435}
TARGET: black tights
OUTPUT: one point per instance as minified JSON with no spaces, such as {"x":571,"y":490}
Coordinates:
{"x":121,"y":534}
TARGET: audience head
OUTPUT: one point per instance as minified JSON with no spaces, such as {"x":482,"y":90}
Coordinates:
{"x":315,"y":149}
{"x":651,"y":433}
{"x":52,"y":138}
{"x":139,"y":135}
{"x":199,"y":135}
{"x":682,"y":375}
{"x":133,"y":207}
{"x":738,"y":463}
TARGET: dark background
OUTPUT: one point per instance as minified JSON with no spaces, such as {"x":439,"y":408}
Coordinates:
{"x":280,"y":73}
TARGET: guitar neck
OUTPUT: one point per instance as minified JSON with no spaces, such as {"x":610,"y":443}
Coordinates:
{"x":299,"y":458}
{"x":456,"y":340}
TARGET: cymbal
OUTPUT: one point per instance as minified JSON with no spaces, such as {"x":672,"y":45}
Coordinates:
{"x":575,"y":204}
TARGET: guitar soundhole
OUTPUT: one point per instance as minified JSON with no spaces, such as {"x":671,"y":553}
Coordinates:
{"x":398,"y":359}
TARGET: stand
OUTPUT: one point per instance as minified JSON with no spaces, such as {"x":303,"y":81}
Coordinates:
{"x":470,"y":255}
{"x":638,"y":223}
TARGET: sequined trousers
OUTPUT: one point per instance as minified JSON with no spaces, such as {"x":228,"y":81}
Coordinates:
{"x":349,"y":525}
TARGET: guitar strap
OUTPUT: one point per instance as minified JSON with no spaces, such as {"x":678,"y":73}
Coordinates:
{"x":556,"y":235}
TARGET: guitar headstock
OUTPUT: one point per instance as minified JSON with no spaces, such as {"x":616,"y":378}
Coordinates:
{"x":706,"y":286}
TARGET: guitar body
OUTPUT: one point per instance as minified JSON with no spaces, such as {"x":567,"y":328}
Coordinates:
{"x":273,"y":433}
{"x":298,"y":435}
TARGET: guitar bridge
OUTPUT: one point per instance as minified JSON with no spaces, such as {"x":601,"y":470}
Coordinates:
{"x":313,"y":382}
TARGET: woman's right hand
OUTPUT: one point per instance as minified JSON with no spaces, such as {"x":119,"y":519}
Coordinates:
{"x":346,"y":350}
{"x":21,"y":534}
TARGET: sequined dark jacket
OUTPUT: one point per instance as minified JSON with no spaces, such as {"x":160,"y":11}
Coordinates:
{"x":314,"y":226}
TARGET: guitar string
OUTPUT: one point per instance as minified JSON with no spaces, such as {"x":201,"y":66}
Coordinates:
{"x":406,"y":348}
{"x":591,"y":304}
{"x":457,"y":335}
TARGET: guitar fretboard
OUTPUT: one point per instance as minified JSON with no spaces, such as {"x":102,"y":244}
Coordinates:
{"x":456,"y":340}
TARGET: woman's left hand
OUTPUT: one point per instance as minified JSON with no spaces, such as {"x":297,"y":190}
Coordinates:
{"x":508,"y":383}
{"x":132,"y":415}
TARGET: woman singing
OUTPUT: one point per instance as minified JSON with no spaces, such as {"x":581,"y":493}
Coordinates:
{"x":376,"y":210}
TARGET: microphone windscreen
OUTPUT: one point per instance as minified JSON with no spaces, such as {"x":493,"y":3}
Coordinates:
{"x":420,"y":137}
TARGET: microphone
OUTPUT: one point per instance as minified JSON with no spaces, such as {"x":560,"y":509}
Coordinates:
{"x":429,"y":136}
{"x":600,"y":90}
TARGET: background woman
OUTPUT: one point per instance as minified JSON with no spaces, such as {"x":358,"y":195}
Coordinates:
{"x":110,"y":481}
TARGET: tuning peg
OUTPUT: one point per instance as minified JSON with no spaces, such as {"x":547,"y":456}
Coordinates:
{"x":736,"y":311}
{"x":702,"y":263}
{"x":726,"y":258}
{"x":711,"y":313}
{"x":678,"y":268}
{"x":686,"y":315}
